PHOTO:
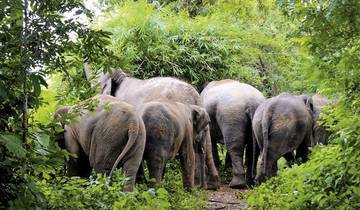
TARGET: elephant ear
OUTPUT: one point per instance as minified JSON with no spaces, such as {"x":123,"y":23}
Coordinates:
{"x":200,"y":118}
{"x":110,"y":82}
{"x":105,"y":84}
{"x":308,"y":102}
{"x":60,"y":113}
{"x":58,"y":116}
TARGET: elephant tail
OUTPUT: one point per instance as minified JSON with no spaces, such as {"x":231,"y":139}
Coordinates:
{"x":265,"y":132}
{"x":133,"y":133}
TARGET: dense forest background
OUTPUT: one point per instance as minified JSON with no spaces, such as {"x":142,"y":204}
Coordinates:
{"x":307,"y":46}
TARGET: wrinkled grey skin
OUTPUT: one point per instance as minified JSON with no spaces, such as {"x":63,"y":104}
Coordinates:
{"x":281,"y":125}
{"x":137,"y":92}
{"x":110,"y":137}
{"x":231,"y":106}
{"x":172,"y":128}
{"x":320,"y":135}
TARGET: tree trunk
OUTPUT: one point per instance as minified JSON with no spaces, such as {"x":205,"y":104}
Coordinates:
{"x":263,"y":75}
{"x":24,"y":69}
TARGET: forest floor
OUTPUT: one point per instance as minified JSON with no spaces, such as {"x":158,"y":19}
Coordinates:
{"x":226,"y":198}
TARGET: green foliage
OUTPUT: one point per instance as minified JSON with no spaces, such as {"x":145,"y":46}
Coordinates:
{"x":100,"y":192}
{"x":330,"y":180}
{"x":179,"y":198}
{"x":13,"y":145}
{"x":327,"y":181}
{"x":96,"y":193}
{"x":35,"y":35}
{"x":228,"y":42}
{"x":313,"y":47}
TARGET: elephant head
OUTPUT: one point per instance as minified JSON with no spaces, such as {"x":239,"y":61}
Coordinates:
{"x":200,"y":118}
{"x":109,"y":82}
{"x":314,"y":103}
{"x":321,"y":135}
{"x":310,"y":106}
{"x":308,"y":102}
{"x":58,"y":117}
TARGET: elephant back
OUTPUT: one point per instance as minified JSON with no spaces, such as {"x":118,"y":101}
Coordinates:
{"x":138,"y":92}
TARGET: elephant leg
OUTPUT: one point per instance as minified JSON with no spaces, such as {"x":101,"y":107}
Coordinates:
{"x":271,"y":166}
{"x":76,"y":166}
{"x":187,"y":162}
{"x":289,"y":157}
{"x":274,"y":169}
{"x":215,"y":152}
{"x":302,"y":152}
{"x":254,"y":159}
{"x":130,"y":169}
{"x":235,"y":141}
{"x":251,"y":156}
{"x":156,"y":165}
{"x":268,"y":165}
{"x":216,"y":136}
{"x":140,"y":176}
{"x":131,"y":164}
{"x":227,"y":161}
{"x":213,"y":180}
{"x":200,"y":170}
{"x":236,"y":154}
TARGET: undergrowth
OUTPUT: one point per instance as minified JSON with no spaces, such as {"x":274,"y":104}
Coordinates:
{"x":326,"y":181}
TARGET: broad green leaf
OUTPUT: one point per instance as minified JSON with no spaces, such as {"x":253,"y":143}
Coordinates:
{"x":14,"y":144}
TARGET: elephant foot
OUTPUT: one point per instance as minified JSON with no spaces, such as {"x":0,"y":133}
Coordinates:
{"x":128,"y":188}
{"x":250,"y":182}
{"x":237,"y":183}
{"x":260,"y":179}
{"x":213,"y":183}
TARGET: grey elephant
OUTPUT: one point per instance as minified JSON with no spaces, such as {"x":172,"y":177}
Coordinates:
{"x":172,"y":128}
{"x":281,"y":125}
{"x":231,"y":106}
{"x":137,"y":92}
{"x":111,"y":136}
{"x":321,"y":135}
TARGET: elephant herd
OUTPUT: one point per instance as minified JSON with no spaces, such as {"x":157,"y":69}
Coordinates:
{"x":154,"y":120}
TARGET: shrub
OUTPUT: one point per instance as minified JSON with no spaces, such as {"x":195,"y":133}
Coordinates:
{"x":327,"y":181}
{"x":98,"y":193}
{"x":233,"y":40}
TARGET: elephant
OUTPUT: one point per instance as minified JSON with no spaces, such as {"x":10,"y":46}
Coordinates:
{"x":321,"y":135}
{"x":172,"y":128}
{"x":111,"y":136}
{"x":281,"y":125}
{"x":231,"y":106}
{"x":137,"y":92}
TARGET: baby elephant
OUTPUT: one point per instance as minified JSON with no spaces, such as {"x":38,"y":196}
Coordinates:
{"x":281,"y":125}
{"x":172,"y":128}
{"x":113,"y":135}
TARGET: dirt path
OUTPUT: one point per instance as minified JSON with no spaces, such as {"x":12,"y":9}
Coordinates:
{"x":225,"y":198}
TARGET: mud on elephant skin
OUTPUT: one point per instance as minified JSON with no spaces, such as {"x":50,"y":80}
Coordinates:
{"x":110,"y":137}
{"x":231,"y":106}
{"x":281,"y":125}
{"x":137,"y":92}
{"x":172,"y":128}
